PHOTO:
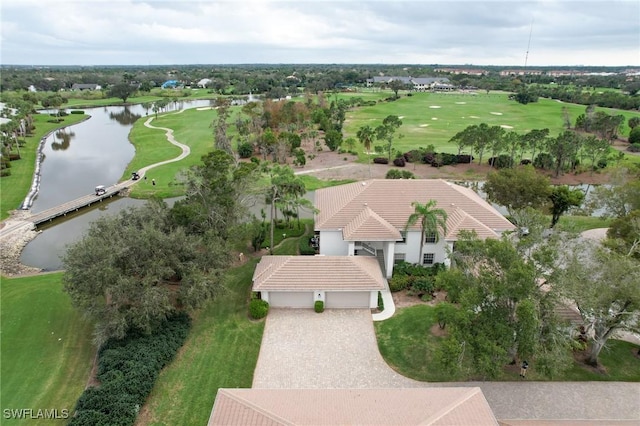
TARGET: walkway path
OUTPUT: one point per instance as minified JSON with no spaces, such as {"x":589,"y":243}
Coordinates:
{"x":18,"y":230}
{"x":338,"y":349}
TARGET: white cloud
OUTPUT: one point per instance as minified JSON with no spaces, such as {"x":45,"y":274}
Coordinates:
{"x":453,"y":32}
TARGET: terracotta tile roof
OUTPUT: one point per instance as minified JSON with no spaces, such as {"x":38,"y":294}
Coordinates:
{"x":418,"y":406}
{"x":337,"y":273}
{"x":370,"y":226}
{"x":459,"y":220}
{"x":391,"y":200}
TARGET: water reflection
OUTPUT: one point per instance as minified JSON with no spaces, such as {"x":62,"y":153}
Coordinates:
{"x":62,"y":139}
{"x":125,"y":117}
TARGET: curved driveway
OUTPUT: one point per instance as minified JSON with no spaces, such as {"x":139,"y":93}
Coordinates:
{"x":338,"y":349}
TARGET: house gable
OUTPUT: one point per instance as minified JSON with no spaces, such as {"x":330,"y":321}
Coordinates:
{"x":371,"y":227}
{"x":391,"y":200}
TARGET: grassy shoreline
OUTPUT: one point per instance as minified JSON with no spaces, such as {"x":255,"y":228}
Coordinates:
{"x":16,"y":187}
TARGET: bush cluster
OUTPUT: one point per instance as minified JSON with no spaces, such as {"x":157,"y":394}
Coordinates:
{"x":502,"y":161}
{"x":318,"y":306}
{"x":76,"y":111}
{"x":127,"y":371}
{"x":381,"y":160}
{"x":418,"y":279}
{"x":399,"y":174}
{"x":258,"y":308}
{"x":399,"y":162}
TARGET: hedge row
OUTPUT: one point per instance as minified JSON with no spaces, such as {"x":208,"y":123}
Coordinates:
{"x":127,"y":371}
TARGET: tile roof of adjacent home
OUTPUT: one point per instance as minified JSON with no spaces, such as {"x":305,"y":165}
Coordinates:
{"x":417,"y":406}
{"x":337,"y":273}
{"x":390,"y":200}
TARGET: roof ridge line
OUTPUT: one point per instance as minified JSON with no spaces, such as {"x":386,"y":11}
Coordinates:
{"x":451,"y":407}
{"x":257,"y":408}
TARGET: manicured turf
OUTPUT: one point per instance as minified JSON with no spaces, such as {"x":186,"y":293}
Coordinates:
{"x":46,"y":347}
{"x":408,"y":346}
{"x":221,"y":351}
{"x":16,"y":187}
{"x":433,"y":118}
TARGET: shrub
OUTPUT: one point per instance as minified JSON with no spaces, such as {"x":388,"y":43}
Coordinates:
{"x":399,"y":174}
{"x":258,"y":308}
{"x":318,"y":306}
{"x":445,"y":313}
{"x":634,"y":147}
{"x":634,"y":135}
{"x":381,"y":160}
{"x":76,"y":111}
{"x":525,"y":162}
{"x":544,"y":160}
{"x":399,"y":162}
{"x":245,"y":150}
{"x":380,"y":302}
{"x":500,"y":162}
{"x":423,"y":285}
{"x":127,"y":370}
{"x":464,"y":158}
{"x":305,"y":248}
{"x":398,"y":282}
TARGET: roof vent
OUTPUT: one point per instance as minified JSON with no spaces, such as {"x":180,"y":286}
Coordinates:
{"x":453,"y":204}
{"x":364,"y":183}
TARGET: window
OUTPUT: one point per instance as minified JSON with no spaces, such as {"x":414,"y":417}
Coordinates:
{"x":430,"y":237}
{"x":398,"y":257}
{"x":428,"y":258}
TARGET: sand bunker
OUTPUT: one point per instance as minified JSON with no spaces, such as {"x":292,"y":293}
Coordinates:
{"x":435,"y":106}
{"x":460,"y":103}
{"x":203,"y":108}
{"x":401,"y":117}
{"x":424,"y":125}
{"x":496,"y":113}
{"x":505,"y":126}
{"x":473,"y":116}
{"x":433,"y":118}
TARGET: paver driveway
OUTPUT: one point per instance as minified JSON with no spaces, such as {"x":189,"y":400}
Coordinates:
{"x":334,"y":349}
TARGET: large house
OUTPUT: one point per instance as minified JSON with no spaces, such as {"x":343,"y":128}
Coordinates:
{"x":418,"y":84}
{"x":421,"y":406}
{"x":370,"y":217}
{"x":361,"y":228}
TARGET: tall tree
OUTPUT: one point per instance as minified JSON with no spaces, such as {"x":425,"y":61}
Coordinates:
{"x":132,"y":270}
{"x":220,"y":126}
{"x":396,"y":86}
{"x":365,"y":135}
{"x":595,"y":149}
{"x":562,"y":198}
{"x":387,"y":131}
{"x":503,"y":315}
{"x":432,"y":221}
{"x":518,"y":188}
{"x":563,"y":149}
{"x":604,"y":286}
{"x":122,"y":91}
{"x":535,"y":139}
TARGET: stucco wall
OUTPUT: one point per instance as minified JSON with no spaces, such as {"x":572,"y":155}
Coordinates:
{"x":331,"y":244}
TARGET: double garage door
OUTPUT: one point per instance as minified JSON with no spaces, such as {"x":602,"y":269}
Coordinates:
{"x":333,"y":299}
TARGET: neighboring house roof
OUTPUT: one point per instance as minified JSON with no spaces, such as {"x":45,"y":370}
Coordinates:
{"x":336,"y":273}
{"x":82,"y":86}
{"x":391,"y":199}
{"x":418,"y":406}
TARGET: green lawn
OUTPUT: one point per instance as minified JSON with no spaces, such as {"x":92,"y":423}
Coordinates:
{"x":433,"y":118}
{"x":581,"y":223}
{"x":16,"y":187}
{"x":408,"y":346}
{"x":221,"y":351}
{"x":46,"y":346}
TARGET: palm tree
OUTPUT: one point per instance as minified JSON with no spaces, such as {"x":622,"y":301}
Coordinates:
{"x":432,"y":221}
{"x":365,"y":136}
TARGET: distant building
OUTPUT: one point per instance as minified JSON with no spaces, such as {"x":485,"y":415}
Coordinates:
{"x":170,"y":84}
{"x":464,"y":71}
{"x":204,"y":83}
{"x":419,"y":84}
{"x":82,"y":86}
{"x":513,"y":73}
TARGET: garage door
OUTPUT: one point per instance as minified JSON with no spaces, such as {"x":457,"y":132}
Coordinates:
{"x":291,"y":299}
{"x":347,"y":299}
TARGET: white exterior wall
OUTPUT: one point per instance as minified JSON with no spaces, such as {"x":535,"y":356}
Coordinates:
{"x":411,"y":248}
{"x":389,"y":251}
{"x":331,"y":244}
{"x":373,"y":299}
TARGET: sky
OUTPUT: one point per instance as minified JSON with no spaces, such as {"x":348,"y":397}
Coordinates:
{"x":163,"y":32}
